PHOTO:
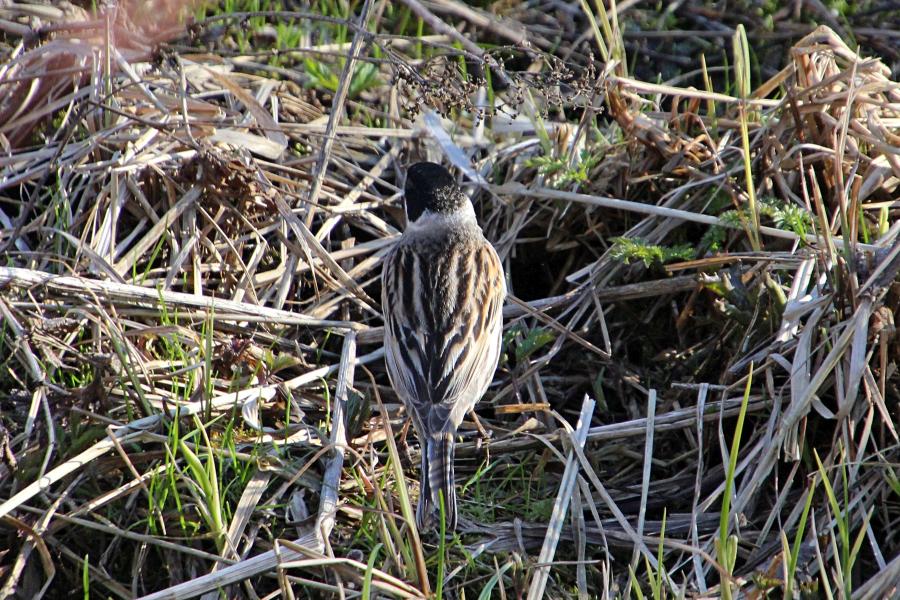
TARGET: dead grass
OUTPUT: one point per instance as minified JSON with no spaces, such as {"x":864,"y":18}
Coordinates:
{"x":699,"y":394}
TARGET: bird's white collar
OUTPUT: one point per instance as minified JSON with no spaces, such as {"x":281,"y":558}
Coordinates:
{"x":462,"y":217}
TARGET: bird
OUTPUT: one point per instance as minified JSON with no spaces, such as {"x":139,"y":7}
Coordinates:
{"x":443,"y":289}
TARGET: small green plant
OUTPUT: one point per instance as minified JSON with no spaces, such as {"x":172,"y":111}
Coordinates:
{"x":726,"y":544}
{"x":86,"y":578}
{"x":714,"y":238}
{"x":533,"y":340}
{"x":547,"y":165}
{"x":76,"y":377}
{"x":498,"y":489}
{"x":846,"y":550}
{"x":892,"y":480}
{"x":785,"y":216}
{"x":323,"y":77}
{"x":243,"y":35}
{"x":742,"y":79}
{"x":288,"y":36}
{"x":370,"y":567}
{"x":630,"y":249}
{"x":655,"y":578}
{"x":609,"y":40}
{"x":204,"y":484}
{"x":409,"y":544}
{"x":794,"y":554}
{"x":635,"y":584}
{"x":164,"y":487}
{"x":560,"y":173}
{"x":488,"y":588}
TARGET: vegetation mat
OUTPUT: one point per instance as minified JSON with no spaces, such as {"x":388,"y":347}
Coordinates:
{"x":696,"y":205}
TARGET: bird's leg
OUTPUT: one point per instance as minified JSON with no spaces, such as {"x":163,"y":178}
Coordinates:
{"x":407,"y":452}
{"x":481,"y":430}
{"x":484,"y":434}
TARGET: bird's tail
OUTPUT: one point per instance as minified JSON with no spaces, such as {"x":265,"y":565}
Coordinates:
{"x":437,"y":480}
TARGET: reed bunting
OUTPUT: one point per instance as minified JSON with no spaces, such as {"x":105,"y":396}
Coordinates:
{"x":442,"y":294}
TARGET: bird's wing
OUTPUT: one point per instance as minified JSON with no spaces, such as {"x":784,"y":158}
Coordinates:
{"x":443,"y":328}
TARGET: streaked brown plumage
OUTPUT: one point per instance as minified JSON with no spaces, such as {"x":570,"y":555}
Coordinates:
{"x":442,"y":293}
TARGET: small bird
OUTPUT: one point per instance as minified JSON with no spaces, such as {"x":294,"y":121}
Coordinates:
{"x":443,"y":290}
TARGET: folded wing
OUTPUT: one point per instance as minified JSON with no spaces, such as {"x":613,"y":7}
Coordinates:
{"x":443,"y":314}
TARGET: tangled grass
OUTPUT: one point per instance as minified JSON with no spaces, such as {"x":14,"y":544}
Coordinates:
{"x":699,"y":391}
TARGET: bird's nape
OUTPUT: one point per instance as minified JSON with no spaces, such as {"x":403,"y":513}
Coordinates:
{"x":430,"y":187}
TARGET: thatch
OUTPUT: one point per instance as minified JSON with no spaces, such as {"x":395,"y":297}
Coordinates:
{"x":182,"y":245}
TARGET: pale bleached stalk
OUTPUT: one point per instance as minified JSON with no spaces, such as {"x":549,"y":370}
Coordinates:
{"x":136,"y":295}
{"x":652,"y":209}
{"x":561,"y":506}
{"x":328,"y":499}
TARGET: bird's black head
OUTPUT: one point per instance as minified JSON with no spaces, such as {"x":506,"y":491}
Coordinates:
{"x":431,"y":187}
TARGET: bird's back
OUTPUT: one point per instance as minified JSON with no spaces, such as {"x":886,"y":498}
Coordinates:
{"x":442,"y":295}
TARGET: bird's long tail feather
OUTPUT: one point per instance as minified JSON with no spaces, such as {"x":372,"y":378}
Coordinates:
{"x":437,"y":480}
